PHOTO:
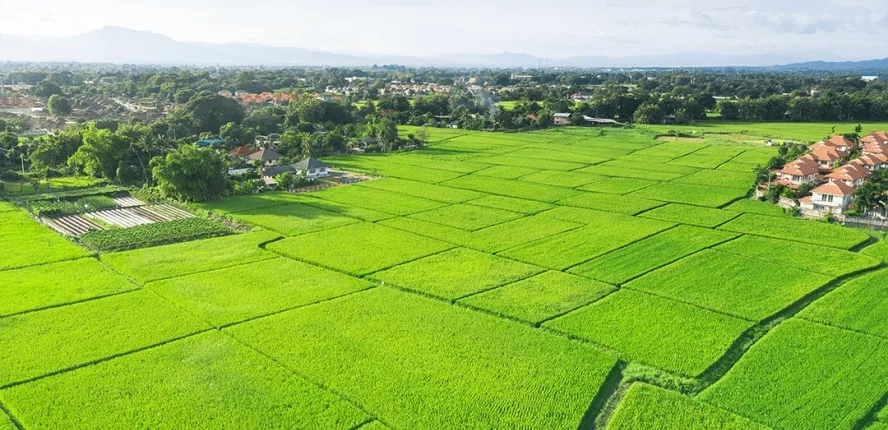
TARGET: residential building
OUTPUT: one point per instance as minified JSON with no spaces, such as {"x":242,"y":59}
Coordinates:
{"x":312,"y":168}
{"x":241,"y":151}
{"x":801,"y":171}
{"x":833,"y":197}
{"x":828,"y":154}
{"x":268,"y":173}
{"x":851,"y":174}
{"x":840,"y":142}
{"x":871,"y":161}
{"x":269,"y":157}
{"x":561,"y":118}
{"x":600,"y":121}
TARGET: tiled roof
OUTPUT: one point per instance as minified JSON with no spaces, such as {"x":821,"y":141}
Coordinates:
{"x":834,"y":188}
{"x":265,"y":155}
{"x":849,"y":172}
{"x":309,"y":163}
{"x":804,"y":166}
{"x":828,"y":153}
{"x":839,"y":141}
{"x":242,"y":151}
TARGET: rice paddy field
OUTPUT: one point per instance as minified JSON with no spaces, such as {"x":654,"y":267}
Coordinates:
{"x":560,"y":279}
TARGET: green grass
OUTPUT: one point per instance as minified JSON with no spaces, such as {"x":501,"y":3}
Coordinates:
{"x":859,"y":305}
{"x":718,"y":178}
{"x":377,"y":200}
{"x":618,"y":185}
{"x":697,"y":195}
{"x":610,"y":203}
{"x":655,"y":331}
{"x":151,"y":264}
{"x":359,"y":248}
{"x":466,"y":216}
{"x":423,"y":190}
{"x":757,"y":207}
{"x":238,"y":293}
{"x":396,"y":353}
{"x":813,"y":232}
{"x":456,"y":273}
{"x":294,"y":219}
{"x":506,"y":172}
{"x":518,"y":189}
{"x":205,"y":381}
{"x":805,"y":375}
{"x":541,"y":297}
{"x":60,"y":338}
{"x":648,"y":254}
{"x":249,"y":202}
{"x":691,"y":215}
{"x":561,"y":179}
{"x":56,"y":284}
{"x":813,"y":258}
{"x":648,"y":407}
{"x":729,"y":283}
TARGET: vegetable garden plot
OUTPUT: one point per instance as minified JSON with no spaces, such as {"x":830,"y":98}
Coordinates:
{"x":204,"y":381}
{"x":518,"y":189}
{"x":120,"y":239}
{"x":562,"y":179}
{"x":294,"y":219}
{"x":151,"y":264}
{"x":359,"y":248}
{"x":649,"y":407}
{"x":456,"y":273}
{"x":757,"y":207}
{"x":691,"y":194}
{"x":505,"y":172}
{"x":618,"y":185}
{"x":624,"y":172}
{"x":59,"y":338}
{"x":813,"y":258}
{"x":805,"y":375}
{"x":741,"y":286}
{"x":716,"y":178}
{"x":607,"y":232}
{"x":859,"y":305}
{"x":655,"y":331}
{"x":423,"y":190}
{"x":512,"y":204}
{"x":377,"y":200}
{"x":392,"y":351}
{"x":611,"y":203}
{"x":648,"y":254}
{"x":248,"y":202}
{"x":541,"y":297}
{"x":59,"y":283}
{"x":557,"y":155}
{"x":239,"y":293}
{"x":691,"y":215}
{"x":701,"y":161}
{"x":672,"y":149}
{"x":814,"y":232}
{"x":509,"y":160}
{"x":651,"y":166}
{"x":467,"y":217}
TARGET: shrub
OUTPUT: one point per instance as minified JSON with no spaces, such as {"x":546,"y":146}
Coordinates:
{"x":11,"y":175}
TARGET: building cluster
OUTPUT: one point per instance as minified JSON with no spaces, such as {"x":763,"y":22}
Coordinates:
{"x":839,"y":166}
{"x":258,"y":100}
{"x":311,"y":167}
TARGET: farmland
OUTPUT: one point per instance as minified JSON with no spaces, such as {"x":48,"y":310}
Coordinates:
{"x":556,"y":279}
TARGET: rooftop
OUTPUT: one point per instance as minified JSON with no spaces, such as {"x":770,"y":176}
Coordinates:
{"x":834,"y":188}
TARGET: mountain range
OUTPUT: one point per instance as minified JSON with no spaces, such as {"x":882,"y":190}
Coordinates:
{"x":121,"y":45}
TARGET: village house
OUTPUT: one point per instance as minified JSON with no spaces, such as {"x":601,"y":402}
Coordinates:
{"x":798,"y":172}
{"x":871,"y":162}
{"x":311,"y":167}
{"x":834,"y":197}
{"x":828,"y":154}
{"x":851,"y":174}
{"x":562,"y":118}
{"x":269,"y":157}
{"x":241,"y":151}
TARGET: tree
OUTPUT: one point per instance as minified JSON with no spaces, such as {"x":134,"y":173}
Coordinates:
{"x":236,"y":135}
{"x":100,"y":153}
{"x":54,"y":150}
{"x":58,"y":105}
{"x":8,"y":141}
{"x":209,"y":112}
{"x":423,"y":135}
{"x":46,"y":89}
{"x":286,"y":181}
{"x":191,"y":173}
{"x":648,"y":113}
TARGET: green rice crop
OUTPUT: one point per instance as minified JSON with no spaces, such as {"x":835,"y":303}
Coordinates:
{"x":54,"y":284}
{"x":661,"y":160}
{"x":440,"y":232}
{"x":466,"y":216}
{"x":6,"y":422}
{"x":509,"y":160}
{"x":377,"y":200}
{"x":820,"y":259}
{"x":702,"y":161}
{"x":650,"y":166}
{"x":423,"y":190}
{"x":691,"y":215}
{"x":251,"y":201}
{"x":33,"y":243}
{"x":60,"y":338}
{"x":672,"y":149}
{"x":648,"y":407}
{"x":151,"y":264}
{"x":610,"y":203}
{"x":618,"y":185}
{"x":814,"y":232}
{"x":717,"y":178}
{"x":541,"y":297}
{"x":555,"y":155}
{"x":358,"y":248}
{"x":380,"y":165}
{"x":562,"y":179}
{"x":648,"y":254}
{"x":655,"y":331}
{"x":606,"y":233}
{"x":572,"y":214}
{"x":512,"y":204}
{"x":205,"y":381}
{"x":698,"y":195}
{"x":740,"y":286}
{"x":756,"y":155}
{"x":162,"y":233}
{"x":629,"y":172}
{"x":506,"y":172}
{"x":805,"y":375}
{"x":238,"y":293}
{"x":360,"y":213}
{"x":294,"y":219}
{"x":391,"y":351}
{"x":456,"y":273}
{"x":728,"y":150}
{"x":374,"y":425}
{"x":757,"y":207}
{"x":428,"y":159}
{"x":738,"y":166}
{"x":517,"y":189}
{"x":859,"y":305}
{"x":877,"y":250}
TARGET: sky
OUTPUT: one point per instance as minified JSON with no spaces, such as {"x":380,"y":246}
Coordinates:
{"x":809,"y":29}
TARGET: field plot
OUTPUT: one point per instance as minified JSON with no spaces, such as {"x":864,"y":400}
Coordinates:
{"x":649,"y":166}
{"x":757,"y":207}
{"x":439,"y":160}
{"x":512,"y":204}
{"x":359,"y":248}
{"x":505,"y":172}
{"x":859,"y":305}
{"x":738,"y":166}
{"x":452,"y":235}
{"x":878,"y":250}
{"x":648,"y":254}
{"x":456,"y":273}
{"x":6,"y":422}
{"x":541,"y":297}
{"x":698,"y":195}
{"x":610,"y":203}
{"x":813,"y":232}
{"x":655,"y":331}
{"x":805,"y":375}
{"x":55,"y":339}
{"x":649,"y":407}
{"x":715,"y":178}
{"x":618,"y":185}
{"x":33,"y":243}
{"x":377,"y":200}
{"x":813,"y":258}
{"x":691,"y":215}
{"x":466,"y":216}
{"x":509,"y":160}
{"x":376,"y":165}
{"x":518,"y":189}
{"x":422,"y":190}
{"x":253,"y":201}
{"x":629,"y":172}
{"x":605,"y":233}
{"x":561,"y":179}
{"x":205,"y":381}
{"x":120,"y":239}
{"x":702,"y":161}
{"x":151,"y":264}
{"x":235,"y":294}
{"x":59,"y":283}
{"x":548,"y":154}
{"x":391,"y":351}
{"x":294,"y":219}
{"x":729,"y":283}
{"x":672,"y":149}
{"x":363,"y":214}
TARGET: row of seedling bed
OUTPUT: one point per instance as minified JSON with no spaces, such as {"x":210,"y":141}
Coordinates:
{"x":131,"y":213}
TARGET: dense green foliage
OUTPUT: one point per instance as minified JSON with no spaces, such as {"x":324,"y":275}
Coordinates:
{"x":120,"y":239}
{"x":68,"y":207}
{"x":191,"y":174}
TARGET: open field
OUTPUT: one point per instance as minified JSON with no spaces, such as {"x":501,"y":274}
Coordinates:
{"x":533,"y":280}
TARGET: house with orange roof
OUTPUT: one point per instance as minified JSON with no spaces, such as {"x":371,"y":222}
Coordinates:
{"x":241,"y":151}
{"x":871,"y":161}
{"x":875,"y":137}
{"x":833,"y":197}
{"x":801,"y":171}
{"x":840,"y":142}
{"x":852,"y":174}
{"x":828,"y":154}
{"x":875,"y":147}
